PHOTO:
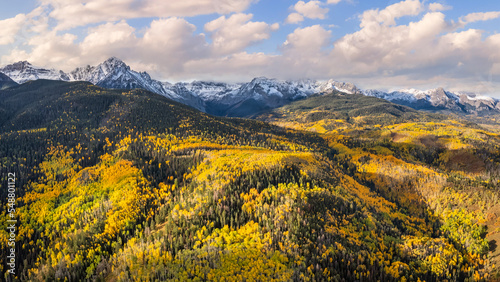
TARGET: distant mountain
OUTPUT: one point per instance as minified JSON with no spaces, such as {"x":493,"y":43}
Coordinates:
{"x":6,"y":82}
{"x":251,"y":98}
{"x":114,"y":73}
{"x":22,"y":72}
{"x":440,"y":100}
{"x":262,"y":93}
{"x":223,"y":99}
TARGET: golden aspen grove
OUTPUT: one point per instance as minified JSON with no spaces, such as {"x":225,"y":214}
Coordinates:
{"x":127,"y":185}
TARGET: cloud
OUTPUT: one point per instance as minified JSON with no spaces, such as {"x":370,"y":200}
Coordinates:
{"x":110,"y":39}
{"x":21,"y":25}
{"x":476,"y":17}
{"x":307,"y":41}
{"x":108,"y":35}
{"x":380,"y":48}
{"x":234,"y":34}
{"x":164,"y":47}
{"x":73,"y":13}
{"x":294,"y":18}
{"x":304,"y":53}
{"x":169,"y":43}
{"x":388,"y":15}
{"x":236,"y":67}
{"x":10,"y":27}
{"x":428,"y":50}
{"x":437,"y":7}
{"x":311,"y":10}
{"x":333,"y":1}
{"x":50,"y":49}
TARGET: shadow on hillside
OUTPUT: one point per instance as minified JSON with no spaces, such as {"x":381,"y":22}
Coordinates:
{"x":493,"y":247}
{"x":399,"y":191}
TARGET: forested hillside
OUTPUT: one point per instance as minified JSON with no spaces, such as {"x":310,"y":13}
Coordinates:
{"x":449,"y":163}
{"x":130,"y":186}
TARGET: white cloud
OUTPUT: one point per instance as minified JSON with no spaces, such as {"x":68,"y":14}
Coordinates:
{"x":294,"y":18}
{"x":436,"y":7}
{"x":73,"y":13}
{"x":169,"y":43}
{"x":429,"y":51}
{"x":305,"y":53}
{"x":380,"y":48}
{"x":50,"y":49}
{"x":234,"y":34}
{"x":333,"y":1}
{"x":110,"y":39}
{"x":426,"y":52}
{"x":108,"y":34}
{"x":164,"y":47}
{"x":237,"y":67}
{"x":10,"y":27}
{"x":20,"y":26}
{"x":476,"y":17}
{"x":307,"y":41}
{"x":311,"y":10}
{"x":388,"y":15}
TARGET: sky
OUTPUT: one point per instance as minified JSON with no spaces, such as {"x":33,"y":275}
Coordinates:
{"x":386,"y":45}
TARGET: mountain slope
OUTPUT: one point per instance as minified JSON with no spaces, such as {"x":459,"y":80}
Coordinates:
{"x":389,"y":144}
{"x":129,"y":185}
{"x":338,"y":107}
{"x":6,"y":82}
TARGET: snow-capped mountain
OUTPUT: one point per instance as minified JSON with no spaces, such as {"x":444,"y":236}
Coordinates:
{"x":217,"y":98}
{"x":210,"y":90}
{"x":439,"y":99}
{"x":331,"y":85}
{"x":246,"y":99}
{"x":23,"y":71}
{"x":258,"y":95}
{"x":114,"y":73}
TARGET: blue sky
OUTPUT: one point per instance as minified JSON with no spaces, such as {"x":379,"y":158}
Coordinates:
{"x":374,"y":44}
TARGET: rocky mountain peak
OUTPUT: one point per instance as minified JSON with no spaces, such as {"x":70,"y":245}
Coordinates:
{"x":24,"y":71}
{"x":114,"y":63}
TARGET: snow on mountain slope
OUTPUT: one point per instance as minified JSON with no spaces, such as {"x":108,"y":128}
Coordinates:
{"x":211,"y":90}
{"x":114,"y":73}
{"x":331,"y":84}
{"x":439,"y":99}
{"x":259,"y":95}
{"x":23,"y":71}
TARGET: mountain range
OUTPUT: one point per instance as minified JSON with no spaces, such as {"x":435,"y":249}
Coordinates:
{"x":119,"y":185}
{"x":251,"y":98}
